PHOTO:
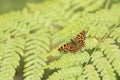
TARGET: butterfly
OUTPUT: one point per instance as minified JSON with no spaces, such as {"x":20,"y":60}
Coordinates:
{"x":74,"y":44}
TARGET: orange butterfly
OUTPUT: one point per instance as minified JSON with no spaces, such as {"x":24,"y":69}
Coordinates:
{"x":75,"y":44}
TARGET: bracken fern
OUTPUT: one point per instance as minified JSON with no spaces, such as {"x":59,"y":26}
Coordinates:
{"x":29,"y":39}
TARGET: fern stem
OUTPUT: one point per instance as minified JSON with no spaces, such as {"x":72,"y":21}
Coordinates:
{"x":107,"y":4}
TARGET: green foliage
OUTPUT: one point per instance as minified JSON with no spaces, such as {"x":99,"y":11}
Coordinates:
{"x":66,"y":74}
{"x":29,"y":40}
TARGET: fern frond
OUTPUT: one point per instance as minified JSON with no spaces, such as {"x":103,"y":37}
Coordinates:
{"x":91,"y":43}
{"x":71,"y":73}
{"x":103,"y":67}
{"x":9,"y":62}
{"x":111,"y":52}
{"x":68,"y":60}
{"x":33,"y":59}
{"x":116,"y":34}
{"x":116,"y":64}
{"x":90,"y":73}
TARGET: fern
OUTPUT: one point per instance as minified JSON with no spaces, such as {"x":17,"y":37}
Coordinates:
{"x":29,"y":40}
{"x":33,"y":59}
{"x":103,"y":66}
{"x":9,"y":59}
{"x":72,"y":74}
{"x":89,"y":75}
{"x":69,"y":60}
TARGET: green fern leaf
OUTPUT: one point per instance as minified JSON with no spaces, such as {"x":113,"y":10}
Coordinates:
{"x":103,"y":66}
{"x":67,"y":74}
{"x":9,"y":62}
{"x":90,"y":73}
{"x":69,"y":60}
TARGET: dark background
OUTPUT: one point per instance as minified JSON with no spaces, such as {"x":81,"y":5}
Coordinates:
{"x":14,"y":5}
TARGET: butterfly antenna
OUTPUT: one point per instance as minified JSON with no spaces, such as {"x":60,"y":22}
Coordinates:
{"x":71,"y":40}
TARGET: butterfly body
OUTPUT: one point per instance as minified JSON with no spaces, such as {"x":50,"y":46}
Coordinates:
{"x":74,"y":44}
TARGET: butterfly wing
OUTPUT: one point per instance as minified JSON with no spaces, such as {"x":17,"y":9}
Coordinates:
{"x":80,"y":39}
{"x":81,"y":44}
{"x":65,"y":47}
{"x":80,"y":36}
{"x":69,"y":47}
